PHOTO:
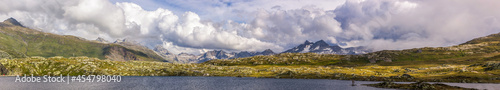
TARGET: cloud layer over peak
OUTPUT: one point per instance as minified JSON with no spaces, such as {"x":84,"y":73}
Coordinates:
{"x":98,"y":18}
{"x":409,"y":24}
{"x":256,"y":25}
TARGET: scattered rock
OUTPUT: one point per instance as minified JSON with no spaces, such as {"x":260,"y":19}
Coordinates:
{"x":3,"y":70}
{"x":491,"y":66}
{"x":384,"y":84}
{"x":353,"y":84}
{"x":419,"y":51}
{"x":417,"y":86}
{"x":406,"y":76}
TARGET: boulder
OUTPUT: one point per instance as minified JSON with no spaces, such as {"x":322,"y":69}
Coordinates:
{"x":3,"y":70}
{"x":406,"y":76}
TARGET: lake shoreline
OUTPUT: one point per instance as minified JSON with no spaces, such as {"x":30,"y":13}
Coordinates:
{"x":86,"y":66}
{"x":279,"y":78}
{"x":165,"y":79}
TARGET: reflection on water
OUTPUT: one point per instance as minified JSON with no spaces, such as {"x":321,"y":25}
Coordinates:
{"x":210,"y":83}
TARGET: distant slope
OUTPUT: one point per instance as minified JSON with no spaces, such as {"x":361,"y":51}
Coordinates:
{"x":493,"y":38}
{"x":17,"y":41}
{"x":134,"y":46}
{"x":478,"y":50}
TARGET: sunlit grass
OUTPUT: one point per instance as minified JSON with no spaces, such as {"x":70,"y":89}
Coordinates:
{"x":372,"y":72}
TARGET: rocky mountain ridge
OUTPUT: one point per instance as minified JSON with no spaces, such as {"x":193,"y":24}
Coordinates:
{"x":128,"y":49}
{"x":12,"y":22}
{"x":321,"y":47}
{"x":215,"y":54}
{"x":18,"y":41}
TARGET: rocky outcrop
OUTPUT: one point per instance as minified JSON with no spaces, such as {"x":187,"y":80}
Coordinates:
{"x":490,"y":65}
{"x":3,"y":70}
{"x":135,"y":46}
{"x":126,"y":41}
{"x":417,"y":86}
{"x":101,"y":40}
{"x":11,"y":21}
{"x":161,"y":50}
{"x":374,"y":57}
{"x":4,"y":55}
{"x":385,"y":56}
{"x":120,"y":54}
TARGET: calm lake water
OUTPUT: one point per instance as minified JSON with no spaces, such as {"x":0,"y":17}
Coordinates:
{"x":209,"y":83}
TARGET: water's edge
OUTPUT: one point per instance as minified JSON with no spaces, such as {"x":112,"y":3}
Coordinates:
{"x":197,"y":82}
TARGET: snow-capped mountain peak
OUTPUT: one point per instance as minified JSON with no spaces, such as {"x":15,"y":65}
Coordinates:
{"x":322,"y":47}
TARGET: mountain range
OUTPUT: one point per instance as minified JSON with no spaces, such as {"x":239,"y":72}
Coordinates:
{"x":321,"y":47}
{"x":18,"y":41}
{"x":215,"y":54}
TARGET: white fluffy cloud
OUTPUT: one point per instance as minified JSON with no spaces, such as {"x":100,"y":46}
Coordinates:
{"x":98,"y":18}
{"x":378,"y":24}
{"x":401,"y":24}
{"x":236,"y":10}
{"x":255,"y":25}
{"x":291,"y":27}
{"x":104,"y":15}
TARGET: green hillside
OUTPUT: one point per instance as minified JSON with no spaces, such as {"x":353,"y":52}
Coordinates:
{"x":477,"y":60}
{"x":478,"y":50}
{"x":17,"y":41}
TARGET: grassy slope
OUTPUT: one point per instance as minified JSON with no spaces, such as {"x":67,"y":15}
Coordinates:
{"x":93,"y":66}
{"x":479,"y":50}
{"x":468,"y":62}
{"x":21,"y":42}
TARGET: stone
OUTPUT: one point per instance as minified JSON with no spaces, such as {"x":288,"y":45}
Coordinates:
{"x":406,"y":76}
{"x":3,"y":70}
